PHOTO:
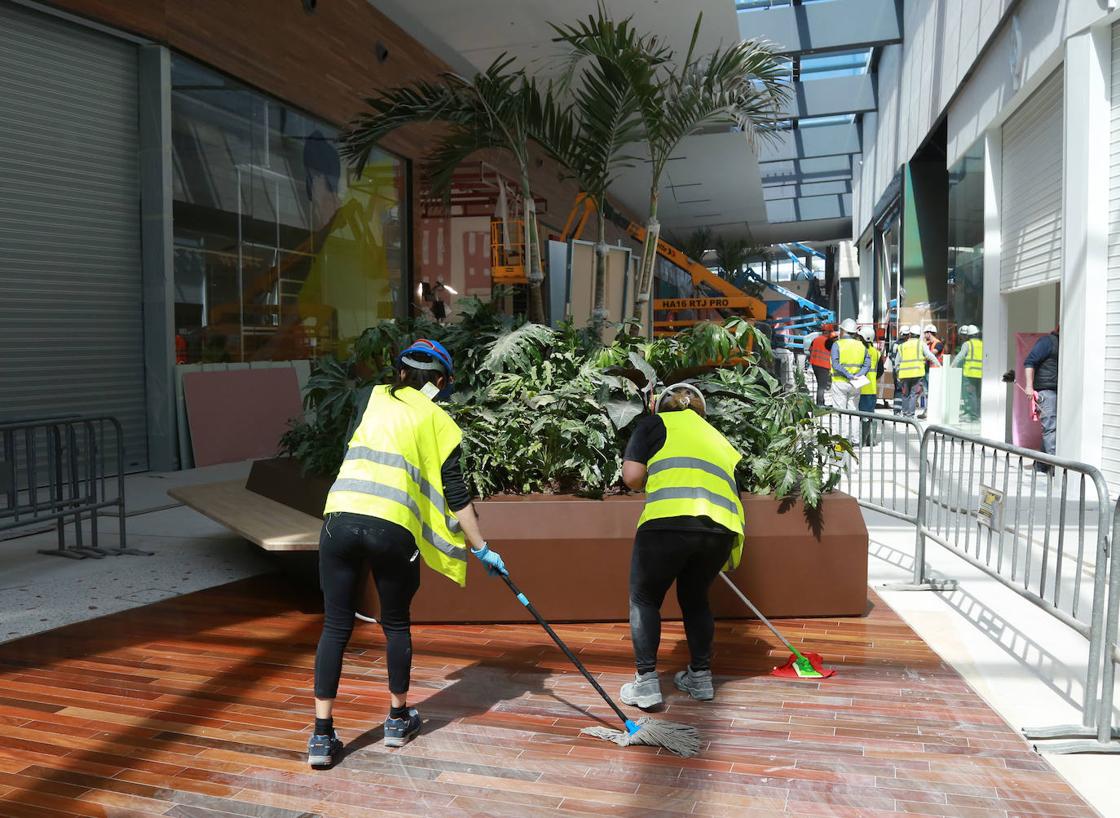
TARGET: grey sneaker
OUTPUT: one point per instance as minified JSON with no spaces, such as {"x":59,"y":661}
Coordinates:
{"x":696,"y":683}
{"x":643,"y":692}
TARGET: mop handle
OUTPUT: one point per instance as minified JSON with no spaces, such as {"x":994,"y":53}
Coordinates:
{"x":567,"y":651}
{"x":758,"y":613}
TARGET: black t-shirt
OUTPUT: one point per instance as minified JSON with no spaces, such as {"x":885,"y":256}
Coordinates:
{"x":645,"y":441}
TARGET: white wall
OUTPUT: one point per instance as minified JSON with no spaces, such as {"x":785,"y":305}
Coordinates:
{"x":942,"y":43}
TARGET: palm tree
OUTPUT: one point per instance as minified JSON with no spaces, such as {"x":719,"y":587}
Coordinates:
{"x":743,"y":86}
{"x":587,"y":125}
{"x":489,"y":112}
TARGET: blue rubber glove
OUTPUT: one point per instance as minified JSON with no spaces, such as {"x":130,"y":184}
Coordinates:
{"x":492,"y":560}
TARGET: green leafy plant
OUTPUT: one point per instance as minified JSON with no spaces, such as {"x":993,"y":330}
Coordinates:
{"x":550,"y":410}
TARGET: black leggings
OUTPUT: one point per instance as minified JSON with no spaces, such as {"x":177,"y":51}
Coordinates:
{"x":693,"y":559}
{"x":347,"y":544}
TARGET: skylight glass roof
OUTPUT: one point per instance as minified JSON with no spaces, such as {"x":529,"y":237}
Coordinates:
{"x":835,"y":64}
{"x":762,"y":5}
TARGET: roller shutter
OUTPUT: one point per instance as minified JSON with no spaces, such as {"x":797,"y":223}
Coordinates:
{"x":71,"y":335}
{"x":1031,"y":223}
{"x":1110,"y":455}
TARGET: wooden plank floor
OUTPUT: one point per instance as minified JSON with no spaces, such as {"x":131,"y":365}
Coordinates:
{"x":198,"y":707}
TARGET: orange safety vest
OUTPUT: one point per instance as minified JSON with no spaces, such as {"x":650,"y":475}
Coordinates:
{"x":819,"y":355}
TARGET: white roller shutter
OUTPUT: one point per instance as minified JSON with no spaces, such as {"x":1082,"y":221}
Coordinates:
{"x":1110,"y":455}
{"x":71,"y":333}
{"x":1031,"y":221}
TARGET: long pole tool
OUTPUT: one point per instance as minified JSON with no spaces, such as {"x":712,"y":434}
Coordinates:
{"x":676,"y":738}
{"x":799,"y":665}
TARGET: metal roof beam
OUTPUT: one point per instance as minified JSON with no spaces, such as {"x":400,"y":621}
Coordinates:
{"x":810,"y":208}
{"x":841,"y":25}
{"x":831,"y":96}
{"x":803,"y":143}
{"x":801,"y":190}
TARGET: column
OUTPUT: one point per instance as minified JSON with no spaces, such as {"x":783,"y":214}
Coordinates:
{"x":157,"y":255}
{"x":997,"y":357}
{"x":1085,"y":244}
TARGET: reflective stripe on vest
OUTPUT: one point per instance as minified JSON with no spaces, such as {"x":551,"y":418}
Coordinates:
{"x":819,"y":354}
{"x":974,"y":358}
{"x":392,"y":471}
{"x":456,"y":552}
{"x":852,"y":354}
{"x":693,"y":475}
{"x":871,"y":387}
{"x":911,"y":361}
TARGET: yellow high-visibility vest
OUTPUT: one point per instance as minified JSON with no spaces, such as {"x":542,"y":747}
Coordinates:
{"x":911,"y":360}
{"x":693,"y":475}
{"x":852,"y":353}
{"x":974,"y":358}
{"x":392,"y":472}
{"x":870,"y":388}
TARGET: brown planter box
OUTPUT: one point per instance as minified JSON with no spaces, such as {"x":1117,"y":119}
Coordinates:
{"x":571,"y":557}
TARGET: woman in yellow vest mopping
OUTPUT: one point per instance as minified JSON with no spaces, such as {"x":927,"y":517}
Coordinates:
{"x":399,"y":496}
{"x":690,"y":529}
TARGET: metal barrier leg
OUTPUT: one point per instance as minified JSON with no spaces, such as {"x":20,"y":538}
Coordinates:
{"x":922,"y":582}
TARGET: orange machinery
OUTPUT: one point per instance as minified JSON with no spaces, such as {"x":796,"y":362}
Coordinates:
{"x":721,"y":297}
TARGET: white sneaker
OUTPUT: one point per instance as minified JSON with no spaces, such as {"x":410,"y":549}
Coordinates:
{"x":643,"y":692}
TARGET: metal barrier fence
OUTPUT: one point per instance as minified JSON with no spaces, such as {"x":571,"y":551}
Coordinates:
{"x":1037,"y":524}
{"x":61,"y":470}
{"x":882,"y":474}
{"x":1102,"y":737}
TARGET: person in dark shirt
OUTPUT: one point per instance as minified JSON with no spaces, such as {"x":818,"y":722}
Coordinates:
{"x":1040,"y":370}
{"x":691,"y":528}
{"x":399,"y":499}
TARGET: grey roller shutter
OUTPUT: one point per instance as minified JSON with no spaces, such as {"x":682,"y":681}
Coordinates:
{"x":1110,"y":455}
{"x":71,"y":337}
{"x":1031,"y":207}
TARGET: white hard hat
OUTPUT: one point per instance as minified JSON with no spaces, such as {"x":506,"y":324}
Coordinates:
{"x":931,"y":328}
{"x":966,"y":329}
{"x":848,"y":325}
{"x":867,"y":334}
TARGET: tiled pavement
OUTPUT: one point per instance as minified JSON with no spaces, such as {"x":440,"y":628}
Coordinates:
{"x":199,"y":706}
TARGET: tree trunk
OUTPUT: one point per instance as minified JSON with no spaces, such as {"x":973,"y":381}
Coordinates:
{"x":530,"y":249}
{"x":599,"y":313}
{"x":649,"y":259}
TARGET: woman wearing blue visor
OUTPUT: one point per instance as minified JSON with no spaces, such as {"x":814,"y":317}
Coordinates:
{"x":399,"y":498}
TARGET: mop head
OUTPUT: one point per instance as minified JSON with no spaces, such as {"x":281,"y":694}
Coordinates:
{"x":676,"y":738}
{"x":811,"y":666}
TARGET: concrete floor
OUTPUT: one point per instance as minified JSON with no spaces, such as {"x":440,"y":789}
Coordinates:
{"x":1025,"y":664}
{"x":39,"y":592}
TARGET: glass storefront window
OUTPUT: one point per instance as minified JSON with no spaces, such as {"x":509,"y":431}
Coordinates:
{"x":281,"y":251}
{"x":966,"y":277}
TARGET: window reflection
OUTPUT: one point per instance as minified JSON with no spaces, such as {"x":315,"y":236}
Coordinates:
{"x":281,"y":252}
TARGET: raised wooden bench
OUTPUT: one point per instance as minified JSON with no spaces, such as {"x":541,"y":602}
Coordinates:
{"x":271,"y":525}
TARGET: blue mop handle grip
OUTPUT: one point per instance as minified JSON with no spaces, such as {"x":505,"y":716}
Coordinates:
{"x":631,"y":727}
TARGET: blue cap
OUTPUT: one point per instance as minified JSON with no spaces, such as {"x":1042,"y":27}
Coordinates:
{"x":432,"y":349}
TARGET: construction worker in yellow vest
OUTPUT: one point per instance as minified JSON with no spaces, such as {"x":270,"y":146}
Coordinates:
{"x":400,"y":499}
{"x":868,"y":395}
{"x":691,"y":528}
{"x":971,"y":359}
{"x":910,"y":367}
{"x":850,"y":362}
